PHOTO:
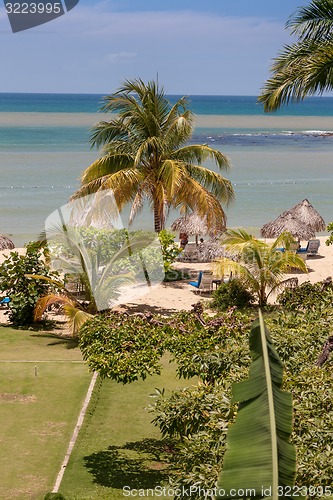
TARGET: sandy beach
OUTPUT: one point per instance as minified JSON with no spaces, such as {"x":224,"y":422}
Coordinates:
{"x":263,"y":122}
{"x":168,"y":298}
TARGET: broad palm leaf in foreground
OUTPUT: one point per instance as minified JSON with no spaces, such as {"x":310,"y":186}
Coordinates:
{"x":306,"y":67}
{"x":147,"y":156}
{"x":259,"y":264}
{"x":259,"y":460}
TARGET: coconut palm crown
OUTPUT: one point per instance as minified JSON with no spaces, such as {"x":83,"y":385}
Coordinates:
{"x":305,"y":67}
{"x":146,"y":156}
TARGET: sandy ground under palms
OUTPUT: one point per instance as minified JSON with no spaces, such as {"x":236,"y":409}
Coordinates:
{"x":167,"y":298}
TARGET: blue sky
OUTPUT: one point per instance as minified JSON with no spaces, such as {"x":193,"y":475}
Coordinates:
{"x":195,"y":46}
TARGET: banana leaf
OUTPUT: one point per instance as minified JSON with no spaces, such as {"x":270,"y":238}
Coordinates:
{"x":259,"y":461}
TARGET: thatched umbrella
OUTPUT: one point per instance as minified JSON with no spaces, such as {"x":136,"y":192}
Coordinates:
{"x":302,"y":221}
{"x":193,"y":224}
{"x":6,"y":243}
{"x":307,"y":214}
{"x":287,"y":223}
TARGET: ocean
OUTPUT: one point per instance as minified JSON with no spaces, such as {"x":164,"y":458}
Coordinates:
{"x":277,"y":159}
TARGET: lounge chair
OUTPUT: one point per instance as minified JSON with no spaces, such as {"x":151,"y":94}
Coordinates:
{"x":5,"y":301}
{"x":204,"y":283}
{"x":311,"y":248}
{"x":196,"y":284}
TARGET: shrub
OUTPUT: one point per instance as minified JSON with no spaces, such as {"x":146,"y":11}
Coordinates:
{"x":230,"y":294}
{"x":120,"y":347}
{"x":199,"y":449}
{"x":23,"y":291}
{"x":306,"y":296}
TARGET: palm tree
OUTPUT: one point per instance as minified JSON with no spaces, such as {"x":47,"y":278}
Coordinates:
{"x":305,"y":67}
{"x":259,"y":264}
{"x":102,"y":280}
{"x":146,"y":156}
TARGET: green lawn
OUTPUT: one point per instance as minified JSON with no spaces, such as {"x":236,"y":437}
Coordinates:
{"x":118,"y":445}
{"x":43,"y":384}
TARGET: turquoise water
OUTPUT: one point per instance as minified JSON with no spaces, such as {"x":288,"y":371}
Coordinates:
{"x":44,"y":147}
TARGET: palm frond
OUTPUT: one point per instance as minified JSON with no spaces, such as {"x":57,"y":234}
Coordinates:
{"x":314,"y":21}
{"x":303,"y":69}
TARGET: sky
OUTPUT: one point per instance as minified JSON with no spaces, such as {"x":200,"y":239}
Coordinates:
{"x":211,"y":47}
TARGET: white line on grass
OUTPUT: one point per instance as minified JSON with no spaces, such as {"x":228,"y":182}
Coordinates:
{"x":75,"y":434}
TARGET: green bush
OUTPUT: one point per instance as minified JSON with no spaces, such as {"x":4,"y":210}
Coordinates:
{"x":216,"y":351}
{"x":220,"y":356}
{"x":122,"y":348}
{"x":22,"y":290}
{"x":230,"y":294}
{"x":306,"y":296}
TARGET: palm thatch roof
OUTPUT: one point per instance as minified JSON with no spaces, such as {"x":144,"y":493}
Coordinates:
{"x":193,"y":224}
{"x":307,"y":214}
{"x":6,"y":243}
{"x":302,"y":221}
{"x":287,"y":223}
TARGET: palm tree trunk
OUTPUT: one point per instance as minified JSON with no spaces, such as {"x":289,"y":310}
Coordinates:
{"x":158,"y":223}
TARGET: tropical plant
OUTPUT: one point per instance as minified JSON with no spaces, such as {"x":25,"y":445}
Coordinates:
{"x":305,"y":67}
{"x":23,"y":292}
{"x":122,"y":348}
{"x":101,"y":283}
{"x":306,"y":296}
{"x":260,"y":265}
{"x":329,"y":240}
{"x":259,"y":456}
{"x":170,"y":249}
{"x":146,"y":155}
{"x":231,"y":294}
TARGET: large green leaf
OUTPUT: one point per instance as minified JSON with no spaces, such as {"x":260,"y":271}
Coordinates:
{"x":259,"y":460}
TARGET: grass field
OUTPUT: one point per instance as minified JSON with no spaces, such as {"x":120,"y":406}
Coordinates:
{"x":43,"y":384}
{"x":118,"y":446}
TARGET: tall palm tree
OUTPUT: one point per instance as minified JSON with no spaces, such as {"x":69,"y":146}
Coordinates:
{"x":305,"y":67}
{"x":146,"y":156}
{"x":259,"y":264}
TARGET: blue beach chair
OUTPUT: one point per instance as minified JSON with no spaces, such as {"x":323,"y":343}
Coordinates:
{"x":197,"y":284}
{"x":5,"y":301}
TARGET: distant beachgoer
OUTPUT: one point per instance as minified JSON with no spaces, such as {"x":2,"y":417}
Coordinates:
{"x":183,"y":240}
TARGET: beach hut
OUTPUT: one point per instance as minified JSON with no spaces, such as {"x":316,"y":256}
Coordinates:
{"x":194,"y":225}
{"x":6,"y":243}
{"x":302,"y":221}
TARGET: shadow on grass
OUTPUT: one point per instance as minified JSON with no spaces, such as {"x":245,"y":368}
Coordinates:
{"x":140,"y":464}
{"x":68,"y":342}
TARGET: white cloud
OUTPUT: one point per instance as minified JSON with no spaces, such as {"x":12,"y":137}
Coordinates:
{"x":119,"y":56}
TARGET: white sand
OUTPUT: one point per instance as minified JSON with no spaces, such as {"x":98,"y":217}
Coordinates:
{"x":168,"y":298}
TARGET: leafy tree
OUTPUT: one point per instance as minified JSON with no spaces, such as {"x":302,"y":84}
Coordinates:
{"x":259,"y":264}
{"x":146,"y":155}
{"x":24,"y":292}
{"x":122,"y":348}
{"x":305,"y":67}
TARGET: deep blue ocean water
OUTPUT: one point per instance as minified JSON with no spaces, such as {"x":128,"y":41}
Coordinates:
{"x":199,"y":104}
{"x":43,"y":153}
